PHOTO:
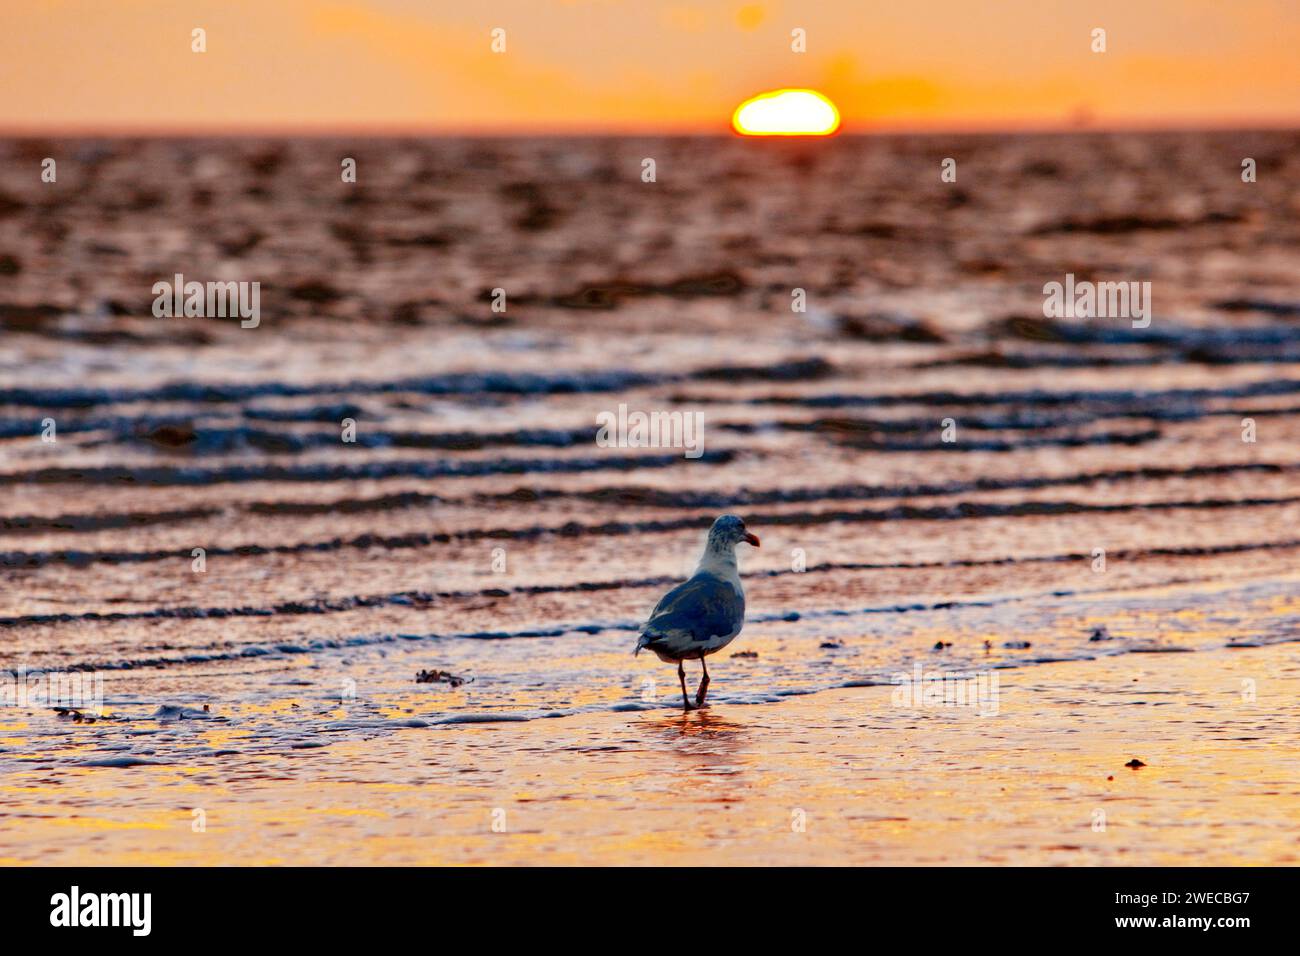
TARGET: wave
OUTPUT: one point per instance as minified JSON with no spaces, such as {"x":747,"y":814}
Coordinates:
{"x":429,"y":598}
{"x":955,"y":512}
{"x":162,"y":475}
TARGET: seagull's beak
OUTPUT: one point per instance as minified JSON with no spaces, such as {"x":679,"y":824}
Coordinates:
{"x":752,"y":539}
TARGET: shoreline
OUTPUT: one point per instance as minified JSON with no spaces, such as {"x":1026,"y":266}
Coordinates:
{"x":838,"y":777}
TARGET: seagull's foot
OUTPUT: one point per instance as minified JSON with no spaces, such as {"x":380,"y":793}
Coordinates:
{"x":702,"y":692}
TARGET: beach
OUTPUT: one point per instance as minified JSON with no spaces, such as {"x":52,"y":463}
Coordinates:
{"x":841,"y":777}
{"x":248,"y":541}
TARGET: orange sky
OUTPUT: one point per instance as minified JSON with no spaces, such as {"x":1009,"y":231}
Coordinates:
{"x":640,"y":65}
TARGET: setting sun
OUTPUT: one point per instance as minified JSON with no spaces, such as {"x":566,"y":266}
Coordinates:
{"x":786,"y":113}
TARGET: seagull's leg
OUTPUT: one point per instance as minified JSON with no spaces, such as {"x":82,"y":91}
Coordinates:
{"x":704,"y":684}
{"x":681,"y":675}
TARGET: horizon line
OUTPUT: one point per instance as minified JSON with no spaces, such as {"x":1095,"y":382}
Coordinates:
{"x":411,"y":131}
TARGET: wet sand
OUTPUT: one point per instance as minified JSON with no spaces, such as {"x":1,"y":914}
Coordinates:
{"x":844,"y":776}
{"x":476,"y":527}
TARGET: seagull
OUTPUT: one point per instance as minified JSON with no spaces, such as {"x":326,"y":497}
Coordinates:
{"x":703,"y":615}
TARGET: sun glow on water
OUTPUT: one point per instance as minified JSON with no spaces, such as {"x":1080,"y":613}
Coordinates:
{"x":786,"y":113}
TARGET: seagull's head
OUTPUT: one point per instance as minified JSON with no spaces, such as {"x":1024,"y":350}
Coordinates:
{"x":728,"y":531}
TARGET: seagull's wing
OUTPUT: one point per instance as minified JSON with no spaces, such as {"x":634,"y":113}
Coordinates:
{"x":701,"y":609}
